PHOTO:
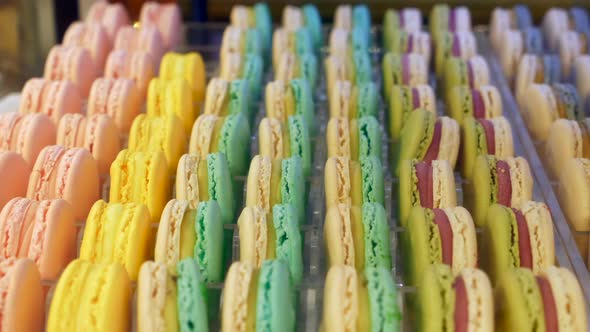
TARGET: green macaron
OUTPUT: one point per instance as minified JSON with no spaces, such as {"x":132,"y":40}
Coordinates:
{"x":313,"y":22}
{"x":264,"y":25}
{"x":369,"y":137}
{"x":292,"y":187}
{"x":253,"y":43}
{"x":308,"y":68}
{"x":372,"y":180}
{"x":275,"y":309}
{"x":376,"y":236}
{"x":304,"y":104}
{"x":288,"y":244}
{"x":239,"y":96}
{"x":384,"y":311}
{"x":299,"y":141}
{"x":303,"y":41}
{"x":363,"y":68}
{"x":415,"y":137}
{"x":208,"y":249}
{"x":252,"y":71}
{"x":191,"y":298}
{"x":366,"y":99}
{"x":359,"y":40}
{"x":233,"y":141}
{"x":220,"y":185}
{"x":361,"y":20}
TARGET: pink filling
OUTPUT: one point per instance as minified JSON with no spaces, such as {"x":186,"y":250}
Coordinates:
{"x":415,"y":98}
{"x":551,"y":323}
{"x":524,"y":241}
{"x":432,"y":152}
{"x":446,"y":235}
{"x":452,"y":20}
{"x":456,"y":47}
{"x":478,"y":104}
{"x":410,"y":47}
{"x":405,"y":69}
{"x":488,"y":128}
{"x":424,"y":175}
{"x":470,"y":74}
{"x":461,"y":315}
{"x":504,"y":183}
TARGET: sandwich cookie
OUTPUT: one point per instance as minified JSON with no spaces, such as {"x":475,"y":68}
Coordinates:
{"x":172,"y":98}
{"x":94,"y":38}
{"x":73,"y":64}
{"x":145,"y":39}
{"x":242,"y":41}
{"x":558,"y":21}
{"x":295,"y":41}
{"x":403,"y":69}
{"x":416,"y":42}
{"x":283,"y":100}
{"x":516,"y":43}
{"x":313,"y":22}
{"x":118,"y":98}
{"x":257,"y":16}
{"x":353,"y":101}
{"x":111,"y":16}
{"x":460,"y":44}
{"x":52,"y":98}
{"x":571,"y":45}
{"x":137,"y":66}
{"x":539,"y":69}
{"x":404,"y":19}
{"x":26,"y":134}
{"x":353,"y":182}
{"x":444,"y":18}
{"x":166,"y":18}
{"x":484,"y":102}
{"x":249,"y":68}
{"x":189,"y":67}
{"x":227,"y":97}
{"x":354,"y":138}
{"x":567,"y":139}
{"x":304,"y":66}
{"x":473,"y":72}
{"x":292,"y":17}
{"x":405,"y":99}
{"x":574,"y":188}
{"x":518,"y":18}
{"x":15,"y":173}
{"x":356,"y":68}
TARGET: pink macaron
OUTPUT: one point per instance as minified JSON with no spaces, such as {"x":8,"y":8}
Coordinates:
{"x":117,"y":97}
{"x":93,"y":37}
{"x":135,"y":65}
{"x":111,"y":16}
{"x":70,"y":174}
{"x":72,"y":64}
{"x":96,"y":133}
{"x":26,"y":134}
{"x":52,"y":98}
{"x":146,"y":39}
{"x":14,"y":172}
{"x":167,"y":18}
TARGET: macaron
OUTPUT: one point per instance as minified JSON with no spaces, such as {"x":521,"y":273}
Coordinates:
{"x":73,"y":64}
{"x":354,"y":138}
{"x":229,"y":135}
{"x":571,"y":45}
{"x":278,"y":140}
{"x":573,"y":189}
{"x":191,"y":303}
{"x":430,"y":185}
{"x":518,"y":17}
{"x":356,"y":68}
{"x":283,"y":99}
{"x":138,"y":66}
{"x":203,"y":178}
{"x":444,"y":18}
{"x":257,"y":16}
{"x":304,"y":66}
{"x":112,"y":16}
{"x":52,"y":98}
{"x":582,"y":73}
{"x":405,"y":99}
{"x":96,"y":133}
{"x":551,"y":300}
{"x":558,"y":21}
{"x":272,"y":234}
{"x":297,"y":42}
{"x":426,"y":138}
{"x":484,"y":102}
{"x":505,"y":181}
{"x":70,"y":174}
{"x":248,"y":67}
{"x":15,"y":173}
{"x":460,"y":301}
{"x":407,"y":19}
{"x":351,"y":101}
{"x":292,"y":17}
{"x":93,"y":37}
{"x":360,"y":301}
{"x":313,"y":22}
{"x":578,"y":18}
{"x":516,"y":43}
{"x":276,"y":181}
{"x":352,"y":182}
{"x":184,"y":232}
{"x":169,"y":98}
{"x":460,"y":44}
{"x":159,"y":133}
{"x":140,"y":177}
{"x":484,"y":137}
{"x":402,"y":41}
{"x":357,"y":236}
{"x":340,"y":42}
{"x":403,"y":69}
{"x":23,"y":307}
{"x":243,"y":41}
{"x":189,"y":67}
{"x":44,"y":231}
{"x":567,"y":139}
{"x":544,"y":104}
{"x":226,"y":97}
{"x":146,"y":39}
{"x":91,"y":296}
{"x":540,"y":69}
{"x":517,"y":237}
{"x":167,"y":18}
{"x":473,"y":72}
{"x":439,"y":236}
{"x":353,"y":17}
{"x":258,"y":298}
{"x":117,"y":97}
{"x":26,"y":134}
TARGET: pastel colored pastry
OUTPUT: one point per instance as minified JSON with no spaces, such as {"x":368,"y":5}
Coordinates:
{"x":360,"y":301}
{"x":352,"y":17}
{"x":505,"y":181}
{"x":189,"y":67}
{"x":168,"y":98}
{"x":226,"y":97}
{"x":357,"y":236}
{"x":292,"y":17}
{"x":276,"y":181}
{"x":138,"y":66}
{"x":52,"y":98}
{"x":248,"y":67}
{"x":353,"y":101}
{"x":430,"y":185}
{"x":517,"y":237}
{"x":118,"y":98}
{"x":167,"y":18}
{"x":229,"y":135}
{"x":340,"y":42}
{"x":313,"y":22}
{"x":15,"y":173}
{"x":272,"y":234}
{"x":73,"y":64}
{"x":111,"y":16}
{"x":540,"y":69}
{"x":550,"y":301}
{"x":354,"y":138}
{"x":426,"y":138}
{"x":203,"y":178}
{"x":417,"y":42}
{"x":184,"y":232}
{"x":516,"y":43}
{"x":357,"y":69}
{"x":473,"y":72}
{"x":154,"y":133}
{"x":304,"y":66}
{"x":484,"y":137}
{"x":405,"y":99}
{"x":571,"y":45}
{"x":578,"y":18}
{"x":97,"y":133}
{"x":43,"y":231}
{"x":518,"y":18}
{"x":544,"y":104}
{"x":94,"y":38}
{"x":574,"y":188}
{"x":91,"y":296}
{"x":444,"y":18}
{"x":258,"y":299}
{"x":71,"y":174}
{"x":353,"y":182}
{"x":558,"y":21}
{"x":241,"y":41}
{"x":145,"y":39}
{"x":449,"y":301}
{"x":191,"y":303}
{"x":439,"y":236}
{"x":23,"y":306}
{"x":403,"y":69}
{"x":484,"y":102}
{"x":257,"y":16}
{"x":297,"y":42}
{"x":582,"y":70}
{"x":407,"y":19}
{"x":567,"y":139}
{"x":278,"y":140}
{"x":142,"y":178}
{"x":26,"y":134}
{"x":284,"y":99}
{"x":460,"y":44}
{"x":118,"y":233}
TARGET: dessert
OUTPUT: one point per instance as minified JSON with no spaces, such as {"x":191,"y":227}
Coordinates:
{"x":353,"y":182}
{"x":111,"y":16}
{"x":404,"y":100}
{"x":297,"y":41}
{"x":460,"y":44}
{"x":248,"y":67}
{"x":582,"y":73}
{"x":351,"y":101}
{"x":226,"y":97}
{"x":473,"y":72}
{"x":15,"y":173}
{"x":145,"y":39}
{"x":518,"y":18}
{"x":354,"y":138}
{"x":168,"y":98}
{"x":138,"y":66}
{"x":189,"y":67}
{"x":571,"y":45}
{"x":304,"y":66}
{"x":26,"y":135}
{"x":484,"y":102}
{"x":416,"y":42}
{"x":94,"y":38}
{"x":567,"y":139}
{"x":52,"y":98}
{"x":118,"y":98}
{"x":167,"y":18}
{"x":535,"y":69}
{"x":73,"y":64}
{"x":403,"y":69}
{"x":284,"y":99}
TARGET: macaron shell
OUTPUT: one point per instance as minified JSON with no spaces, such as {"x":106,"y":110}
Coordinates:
{"x":167,"y":18}
{"x":343,"y":238}
{"x":189,"y":66}
{"x":372,"y":180}
{"x":415,"y":138}
{"x":32,"y":133}
{"x":16,"y":222}
{"x":582,"y":70}
{"x":146,"y":39}
{"x":539,"y":110}
{"x":499,"y":248}
{"x":219,"y":177}
{"x":519,"y":302}
{"x":435,"y":313}
{"x":341,"y":299}
{"x":473,"y":142}
{"x":539,"y":217}
{"x":521,"y":181}
{"x":274,"y":302}
{"x":91,"y":36}
{"x":156,"y":295}
{"x":288,"y":239}
{"x":111,"y":16}
{"x":103,"y":141}
{"x":15,"y":173}
{"x":73,"y":64}
{"x":341,"y":181}
{"x":238,"y":311}
{"x":511,"y":51}
{"x":191,"y":304}
{"x":449,"y":142}
{"x":209,"y":246}
{"x":564,"y":142}
{"x":569,"y":302}
{"x":176,"y":233}
{"x":480,"y":192}
{"x":234,"y":133}
{"x":138,"y":66}
{"x":574,"y":189}
{"x":376,"y":232}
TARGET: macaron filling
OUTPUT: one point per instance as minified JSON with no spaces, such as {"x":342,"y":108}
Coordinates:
{"x":488,"y":128}
{"x":549,"y":306}
{"x":415,"y":98}
{"x":446,"y":235}
{"x":452,"y":19}
{"x":479,"y":108}
{"x":405,"y":59}
{"x":461,"y":313}
{"x":456,"y":46}
{"x":425,"y":184}
{"x":504,"y":183}
{"x":524,"y":242}
{"x":432,"y":152}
